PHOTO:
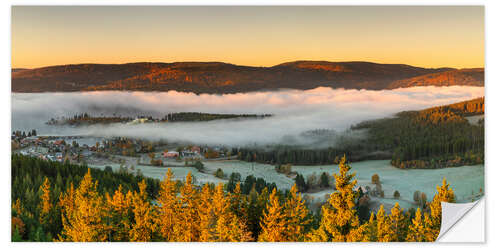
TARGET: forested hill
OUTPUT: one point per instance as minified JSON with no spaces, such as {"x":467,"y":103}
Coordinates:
{"x":432,"y":138}
{"x":436,"y":137}
{"x":216,"y":77}
{"x":471,"y":77}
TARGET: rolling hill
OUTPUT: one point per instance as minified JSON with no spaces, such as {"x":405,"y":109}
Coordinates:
{"x":217,"y":77}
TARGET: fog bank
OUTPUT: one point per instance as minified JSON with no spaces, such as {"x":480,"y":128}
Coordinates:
{"x":295,"y":111}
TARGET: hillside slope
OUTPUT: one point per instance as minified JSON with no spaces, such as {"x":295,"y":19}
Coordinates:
{"x":469,"y":77}
{"x":216,"y":77}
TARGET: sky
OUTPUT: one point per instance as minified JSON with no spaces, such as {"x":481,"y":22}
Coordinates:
{"x":425,"y":36}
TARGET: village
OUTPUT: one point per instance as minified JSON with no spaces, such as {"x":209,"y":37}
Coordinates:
{"x":95,"y":150}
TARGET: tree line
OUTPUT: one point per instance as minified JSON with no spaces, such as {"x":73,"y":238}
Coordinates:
{"x":97,"y":205}
{"x":431,"y":138}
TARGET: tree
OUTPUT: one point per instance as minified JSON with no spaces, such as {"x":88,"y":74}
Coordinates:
{"x":143,"y":229}
{"x":273,"y":222}
{"x":339,"y":220}
{"x":398,"y":224}
{"x":46,"y":204}
{"x":83,"y":213}
{"x":301,"y":183}
{"x":219,"y":173}
{"x":383,"y":226}
{"x":396,"y":194}
{"x":186,"y":227}
{"x":296,"y":213}
{"x":419,"y":230}
{"x":228,"y":227}
{"x":444,"y":194}
{"x":169,"y":206}
{"x":324,"y":180}
{"x":120,"y":210}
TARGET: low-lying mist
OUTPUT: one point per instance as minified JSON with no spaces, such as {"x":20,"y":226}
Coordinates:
{"x":295,"y":112}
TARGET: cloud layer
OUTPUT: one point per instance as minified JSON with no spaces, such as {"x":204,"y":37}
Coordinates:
{"x":295,"y":111}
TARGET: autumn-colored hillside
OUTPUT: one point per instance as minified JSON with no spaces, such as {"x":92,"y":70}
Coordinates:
{"x":216,"y":77}
{"x":470,"y":77}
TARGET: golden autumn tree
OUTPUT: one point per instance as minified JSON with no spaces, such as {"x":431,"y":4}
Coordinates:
{"x":168,"y":207}
{"x":444,"y":194}
{"x":339,"y":220}
{"x":238,"y":205}
{"x":383,"y":226}
{"x":119,"y":209}
{"x":46,"y":204}
{"x":206,"y":214}
{"x":83,"y":213}
{"x":371,"y":229}
{"x":296,"y":213}
{"x":398,"y":225}
{"x":187,"y":227}
{"x":419,"y":230}
{"x":228,"y":227}
{"x":273,"y":223}
{"x":144,"y":227}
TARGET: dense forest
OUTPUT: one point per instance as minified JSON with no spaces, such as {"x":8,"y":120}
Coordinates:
{"x":198,"y":117}
{"x":101,"y":205}
{"x":86,"y":119}
{"x":432,"y":138}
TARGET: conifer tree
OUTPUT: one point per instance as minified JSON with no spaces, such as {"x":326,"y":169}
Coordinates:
{"x":296,"y":213}
{"x":383,"y":226}
{"x":273,"y":222}
{"x":83,"y":213}
{"x":206,"y":214}
{"x":228,"y":226}
{"x":398,"y":227}
{"x":419,"y":230}
{"x":371,"y":229}
{"x":46,"y":204}
{"x":444,"y":194}
{"x":339,"y":220}
{"x":119,"y":210}
{"x":144,"y":228}
{"x":186,"y":227}
{"x":169,"y":206}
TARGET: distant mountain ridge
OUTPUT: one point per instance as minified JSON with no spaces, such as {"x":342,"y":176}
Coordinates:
{"x":218,"y":77}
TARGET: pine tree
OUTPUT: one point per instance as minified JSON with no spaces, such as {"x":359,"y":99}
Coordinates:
{"x":383,"y":226}
{"x":206,"y":214}
{"x":144,"y":228}
{"x":339,"y":220}
{"x":419,"y":230}
{"x":186,"y":227}
{"x":371,"y":229}
{"x":119,"y":210}
{"x":83,"y":213}
{"x":398,"y":227}
{"x":228,"y":226}
{"x":444,"y":194}
{"x":46,"y":204}
{"x":273,"y":222}
{"x":296,"y":213}
{"x":168,"y":207}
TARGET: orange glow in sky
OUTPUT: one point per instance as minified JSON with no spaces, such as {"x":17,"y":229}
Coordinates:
{"x":430,"y":36}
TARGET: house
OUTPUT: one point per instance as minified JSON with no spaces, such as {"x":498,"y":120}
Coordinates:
{"x":196,"y":149}
{"x":59,"y":156}
{"x":188,"y":153}
{"x":139,"y":121}
{"x":42,"y":150}
{"x":171,"y":154}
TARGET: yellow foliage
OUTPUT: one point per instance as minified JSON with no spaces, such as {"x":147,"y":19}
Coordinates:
{"x":83,"y":213}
